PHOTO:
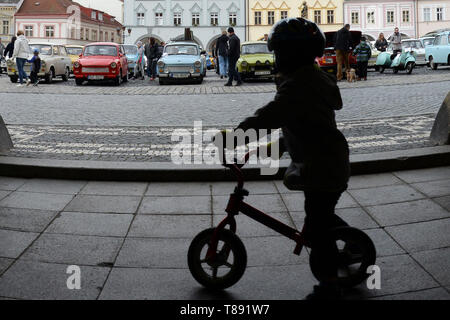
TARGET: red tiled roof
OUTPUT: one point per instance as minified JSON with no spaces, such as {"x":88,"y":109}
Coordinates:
{"x":59,"y":7}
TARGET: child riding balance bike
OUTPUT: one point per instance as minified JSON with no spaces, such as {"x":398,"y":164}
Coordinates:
{"x":304,"y":108}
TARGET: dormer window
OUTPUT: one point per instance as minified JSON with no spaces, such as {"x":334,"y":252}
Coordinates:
{"x":100,"y":16}
{"x":93,"y":15}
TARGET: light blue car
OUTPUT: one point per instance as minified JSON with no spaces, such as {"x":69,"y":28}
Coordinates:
{"x":181,"y":61}
{"x":439,"y":52}
{"x":131,"y":52}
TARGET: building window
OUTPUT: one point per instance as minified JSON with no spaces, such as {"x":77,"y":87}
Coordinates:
{"x":112,"y":36}
{"x":405,"y":15}
{"x":82,"y":33}
{"x":270,"y":17}
{"x":87,"y":34}
{"x":140,"y":18}
{"x":439,"y":14}
{"x":284,"y":14}
{"x":5,"y":27}
{"x":159,"y":19}
{"x":317,"y":16}
{"x":94,"y":35}
{"x":330,"y":16}
{"x":214,"y":16}
{"x":355,"y":17}
{"x":93,"y":15}
{"x":371,"y":17}
{"x":100,"y":16}
{"x":390,"y":16}
{"x":426,"y":14}
{"x":195,"y":19}
{"x":49,"y":31}
{"x":258,"y":19}
{"x":177,"y":19}
{"x":232,"y":19}
{"x":29,"y":31}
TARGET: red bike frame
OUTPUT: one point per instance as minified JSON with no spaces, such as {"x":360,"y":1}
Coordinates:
{"x":236,"y":204}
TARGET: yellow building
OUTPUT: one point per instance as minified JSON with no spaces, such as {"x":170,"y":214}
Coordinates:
{"x":7,"y":10}
{"x":262,"y":14}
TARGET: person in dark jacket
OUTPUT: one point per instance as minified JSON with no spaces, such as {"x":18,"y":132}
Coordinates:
{"x":151,"y":52}
{"x":381,"y":44}
{"x":343,"y":43}
{"x":363,"y":53}
{"x":234,"y":52}
{"x":10,"y":48}
{"x":304,"y":108}
{"x":35,"y":67}
{"x":222,"y":53}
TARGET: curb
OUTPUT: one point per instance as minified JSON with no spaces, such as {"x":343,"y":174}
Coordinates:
{"x":164,"y":171}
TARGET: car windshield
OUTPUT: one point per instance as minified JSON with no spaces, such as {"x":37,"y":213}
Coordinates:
{"x":174,"y":49}
{"x":255,"y":48}
{"x":74,"y":51}
{"x":427,"y":42}
{"x":412,"y":44}
{"x":44,"y":49}
{"x":132,"y":50}
{"x":100,"y":51}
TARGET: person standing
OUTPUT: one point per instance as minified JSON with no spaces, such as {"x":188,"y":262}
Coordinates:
{"x":363,"y":52}
{"x":342,"y":46}
{"x":10,"y":48}
{"x":35,"y":67}
{"x":2,"y":48}
{"x":381,"y":44}
{"x":151,"y":51}
{"x":234,"y":45}
{"x":21,"y":53}
{"x":396,"y":41}
{"x":140,"y":64}
{"x":222,"y":54}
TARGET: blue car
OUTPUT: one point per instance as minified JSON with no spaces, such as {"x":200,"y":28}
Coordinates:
{"x":131,"y":52}
{"x":181,"y":61}
{"x":439,"y":52}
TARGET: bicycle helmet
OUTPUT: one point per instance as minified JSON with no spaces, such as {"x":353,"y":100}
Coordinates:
{"x":297,"y":34}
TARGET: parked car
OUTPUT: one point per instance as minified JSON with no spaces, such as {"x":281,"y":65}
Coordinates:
{"x":74,"y":52}
{"x":181,"y":61}
{"x":210,"y":62}
{"x":415,"y":45}
{"x":131,"y":52}
{"x":3,"y":67}
{"x":328,"y":61}
{"x":256,"y":61}
{"x":102,"y":61}
{"x":426,"y":41}
{"x":373,"y":58}
{"x":55,"y":63}
{"x":439,"y":52}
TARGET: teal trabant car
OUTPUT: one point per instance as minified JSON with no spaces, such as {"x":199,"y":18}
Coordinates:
{"x":181,"y":61}
{"x":438,"y":53}
{"x":256,"y":61}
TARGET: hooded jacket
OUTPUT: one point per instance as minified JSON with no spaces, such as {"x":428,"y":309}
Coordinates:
{"x":21,"y":48}
{"x":343,"y":40}
{"x":304,"y":107}
{"x":222,"y":46}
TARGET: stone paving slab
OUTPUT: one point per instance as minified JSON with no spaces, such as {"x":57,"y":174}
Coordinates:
{"x":26,"y":219}
{"x":386,"y":194}
{"x":436,"y":262}
{"x":176,"y":205}
{"x":427,"y":294}
{"x":52,"y":186}
{"x":13,"y":243}
{"x":104,"y":204}
{"x":34,"y":200}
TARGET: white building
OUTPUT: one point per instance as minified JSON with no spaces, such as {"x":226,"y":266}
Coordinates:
{"x":166,"y":20}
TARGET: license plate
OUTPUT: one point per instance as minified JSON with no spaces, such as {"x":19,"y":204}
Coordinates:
{"x":180,"y":75}
{"x":261,"y":73}
{"x":329,"y":60}
{"x":96,"y":77}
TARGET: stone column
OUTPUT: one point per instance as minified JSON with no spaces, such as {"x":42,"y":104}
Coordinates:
{"x":5,"y":139}
{"x":440,"y":134}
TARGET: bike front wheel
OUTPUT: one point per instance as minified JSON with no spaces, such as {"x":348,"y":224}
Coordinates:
{"x":356,"y":252}
{"x":226,"y":268}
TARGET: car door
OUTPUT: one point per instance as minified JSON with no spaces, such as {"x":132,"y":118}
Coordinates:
{"x":123,"y":60}
{"x":442,"y":49}
{"x":56,"y":60}
{"x":65,"y":60}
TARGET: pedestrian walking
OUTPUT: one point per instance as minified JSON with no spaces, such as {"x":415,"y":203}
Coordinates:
{"x":234,"y":52}
{"x":35,"y":67}
{"x":222,"y":53}
{"x":139,"y":68}
{"x":10,"y":48}
{"x":151,"y":52}
{"x":343,"y":43}
{"x":21,"y":53}
{"x":396,"y":41}
{"x":363,"y":52}
{"x":381,"y":44}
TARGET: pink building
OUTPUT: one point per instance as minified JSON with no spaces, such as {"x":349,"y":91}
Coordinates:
{"x":373,"y":17}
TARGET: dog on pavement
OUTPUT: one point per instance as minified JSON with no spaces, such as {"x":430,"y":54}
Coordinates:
{"x":351,"y":75}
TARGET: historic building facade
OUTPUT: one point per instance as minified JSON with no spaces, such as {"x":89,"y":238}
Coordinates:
{"x":7,"y":10}
{"x":374,"y":16}
{"x":166,"y":20}
{"x":262,"y":14}
{"x":66,"y":22}
{"x":432,"y":15}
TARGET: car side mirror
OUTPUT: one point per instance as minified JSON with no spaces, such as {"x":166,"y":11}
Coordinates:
{"x":80,"y":55}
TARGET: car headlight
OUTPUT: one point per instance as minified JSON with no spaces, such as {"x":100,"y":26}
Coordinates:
{"x":113,"y":65}
{"x":197,"y":64}
{"x":76,"y":64}
{"x":160,"y":64}
{"x":244,"y":64}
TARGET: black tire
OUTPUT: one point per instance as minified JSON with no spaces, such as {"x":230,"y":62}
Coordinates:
{"x":197,"y":263}
{"x":394,"y":70}
{"x":432,"y":64}
{"x":49,"y":76}
{"x":125,"y":79}
{"x":65,"y":76}
{"x":382,"y":69}
{"x":365,"y":256}
{"x":14,"y":79}
{"x":409,"y":67}
{"x":118,"y":79}
{"x":377,"y":68}
{"x":79,"y":82}
{"x":162,"y":82}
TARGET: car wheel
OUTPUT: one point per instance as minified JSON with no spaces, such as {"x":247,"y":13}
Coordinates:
{"x":79,"y":82}
{"x":382,"y":69}
{"x":162,"y":82}
{"x":49,"y":76}
{"x":432,"y":64}
{"x":377,"y":68}
{"x":65,"y":76}
{"x":125,"y":79}
{"x":118,"y":79}
{"x":13,"y":79}
{"x":409,"y":67}
{"x":395,"y":70}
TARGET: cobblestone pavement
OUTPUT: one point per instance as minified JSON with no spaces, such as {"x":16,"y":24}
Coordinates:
{"x":155,"y":143}
{"x":130,"y":240}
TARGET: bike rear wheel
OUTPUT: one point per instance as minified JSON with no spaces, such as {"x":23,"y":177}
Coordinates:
{"x":356,"y":253}
{"x":226,"y":268}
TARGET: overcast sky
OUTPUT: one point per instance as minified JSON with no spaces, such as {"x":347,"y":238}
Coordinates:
{"x":112,"y":7}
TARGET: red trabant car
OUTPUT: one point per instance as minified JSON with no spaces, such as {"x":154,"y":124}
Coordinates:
{"x":101,"y":61}
{"x":328,"y":61}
